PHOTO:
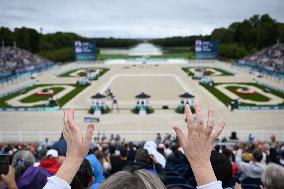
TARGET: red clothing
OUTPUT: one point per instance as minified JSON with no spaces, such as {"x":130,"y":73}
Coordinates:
{"x":235,"y":169}
{"x":51,"y":164}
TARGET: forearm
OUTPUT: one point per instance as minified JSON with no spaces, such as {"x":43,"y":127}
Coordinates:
{"x":203,"y":173}
{"x":12,"y":186}
{"x":69,"y":169}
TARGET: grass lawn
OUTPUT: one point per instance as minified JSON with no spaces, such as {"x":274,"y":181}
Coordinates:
{"x":226,"y":100}
{"x":36,"y":98}
{"x":223,"y":72}
{"x":185,"y":55}
{"x":254,"y":97}
{"x":168,"y":52}
{"x":63,"y":100}
{"x":115,"y":56}
{"x":67,"y":74}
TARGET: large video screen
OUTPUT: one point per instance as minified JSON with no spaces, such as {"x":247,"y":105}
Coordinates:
{"x":85,"y":50}
{"x":206,"y":49}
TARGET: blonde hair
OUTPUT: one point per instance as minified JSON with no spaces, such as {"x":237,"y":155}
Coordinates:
{"x":140,"y":179}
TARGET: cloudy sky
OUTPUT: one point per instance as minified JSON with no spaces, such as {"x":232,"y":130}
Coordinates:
{"x":133,"y":18}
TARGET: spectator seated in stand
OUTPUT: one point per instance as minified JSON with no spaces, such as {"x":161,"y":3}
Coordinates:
{"x":51,"y":161}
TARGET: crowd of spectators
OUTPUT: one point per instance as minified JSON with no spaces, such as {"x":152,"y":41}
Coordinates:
{"x":271,"y":58}
{"x":14,"y":60}
{"x":114,"y":163}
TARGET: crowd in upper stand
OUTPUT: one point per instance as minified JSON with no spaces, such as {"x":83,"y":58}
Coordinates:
{"x":14,"y":60}
{"x":272,"y":57}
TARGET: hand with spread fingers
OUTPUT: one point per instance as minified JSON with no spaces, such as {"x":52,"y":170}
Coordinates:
{"x":77,"y":146}
{"x":199,"y":142}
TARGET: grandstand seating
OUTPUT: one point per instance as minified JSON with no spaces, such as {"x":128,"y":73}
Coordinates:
{"x":14,"y":60}
{"x":271,"y":58}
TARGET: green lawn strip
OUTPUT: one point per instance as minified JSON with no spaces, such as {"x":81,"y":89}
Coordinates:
{"x":115,"y":56}
{"x":255,"y":97}
{"x":223,"y":72}
{"x":185,"y":55}
{"x":6,"y":98}
{"x":36,"y":98}
{"x":187,"y":70}
{"x":218,"y":94}
{"x":226,"y":100}
{"x":67,"y":74}
{"x":63,"y":100}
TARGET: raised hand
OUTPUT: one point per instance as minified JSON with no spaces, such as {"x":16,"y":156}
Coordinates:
{"x":9,"y":179}
{"x":77,"y":146}
{"x":199,"y":142}
{"x":77,"y":143}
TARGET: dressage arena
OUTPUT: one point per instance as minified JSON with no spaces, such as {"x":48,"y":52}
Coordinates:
{"x":164,"y":82}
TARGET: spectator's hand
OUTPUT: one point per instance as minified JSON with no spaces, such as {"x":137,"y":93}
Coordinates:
{"x":77,"y":143}
{"x":238,"y":186}
{"x":198,"y":143}
{"x":9,"y":179}
{"x":200,"y":139}
{"x":77,"y":146}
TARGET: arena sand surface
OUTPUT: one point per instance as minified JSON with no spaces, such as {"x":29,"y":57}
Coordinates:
{"x":163,"y":82}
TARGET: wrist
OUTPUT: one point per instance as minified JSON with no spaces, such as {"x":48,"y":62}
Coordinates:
{"x":12,"y":185}
{"x":69,"y":168}
{"x":203,"y":172}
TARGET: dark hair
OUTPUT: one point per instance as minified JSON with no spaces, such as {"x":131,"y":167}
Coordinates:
{"x":222,"y":167}
{"x":83,"y":176}
{"x":142,"y":155}
{"x":123,"y":152}
{"x":111,"y":149}
{"x":257,"y":155}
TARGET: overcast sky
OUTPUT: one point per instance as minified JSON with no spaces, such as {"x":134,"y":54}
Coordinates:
{"x":133,"y":18}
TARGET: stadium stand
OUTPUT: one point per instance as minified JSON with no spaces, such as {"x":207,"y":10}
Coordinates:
{"x":15,"y":61}
{"x":177,"y":172}
{"x":267,"y":61}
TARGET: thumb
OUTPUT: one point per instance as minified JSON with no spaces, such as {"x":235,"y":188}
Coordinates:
{"x":89,"y":133}
{"x":181,"y":136}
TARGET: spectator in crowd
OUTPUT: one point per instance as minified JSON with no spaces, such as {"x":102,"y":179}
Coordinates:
{"x":139,"y":179}
{"x":273,"y":176}
{"x":51,"y":161}
{"x":252,"y":169}
{"x":26,"y":175}
{"x":222,"y":168}
{"x":104,"y":161}
{"x":84,"y":177}
{"x":118,"y":161}
{"x":131,"y":152}
{"x":60,"y":146}
{"x":151,"y":147}
{"x":97,"y":170}
{"x":144,"y":161}
{"x":195,"y":154}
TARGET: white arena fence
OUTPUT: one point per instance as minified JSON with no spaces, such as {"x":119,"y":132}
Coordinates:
{"x":135,"y":136}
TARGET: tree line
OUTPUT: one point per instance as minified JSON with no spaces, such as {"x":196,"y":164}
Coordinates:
{"x":55,"y":46}
{"x":239,"y":39}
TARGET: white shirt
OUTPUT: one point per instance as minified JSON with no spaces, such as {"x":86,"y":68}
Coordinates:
{"x":54,"y":182}
{"x":57,"y":183}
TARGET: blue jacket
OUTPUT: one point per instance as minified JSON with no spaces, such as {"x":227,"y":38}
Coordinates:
{"x":98,"y":170}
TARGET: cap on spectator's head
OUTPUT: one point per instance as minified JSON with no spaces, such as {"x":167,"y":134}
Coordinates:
{"x":52,"y":153}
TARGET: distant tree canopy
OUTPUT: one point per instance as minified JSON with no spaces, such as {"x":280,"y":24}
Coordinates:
{"x":239,"y":39}
{"x":243,"y":38}
{"x":55,"y":46}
